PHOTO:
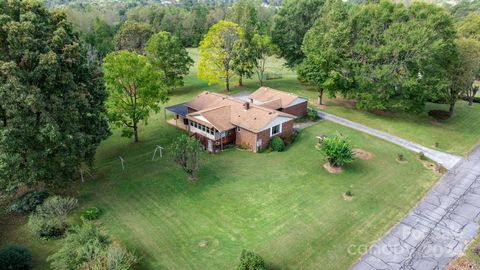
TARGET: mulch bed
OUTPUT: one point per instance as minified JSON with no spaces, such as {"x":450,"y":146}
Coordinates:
{"x":332,"y":169}
{"x":362,"y":154}
{"x":462,"y":263}
{"x":439,"y":114}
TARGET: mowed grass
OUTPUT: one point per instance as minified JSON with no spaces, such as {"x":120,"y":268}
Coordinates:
{"x":284,"y":206}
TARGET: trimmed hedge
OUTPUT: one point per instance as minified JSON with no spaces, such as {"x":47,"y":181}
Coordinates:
{"x":16,"y":258}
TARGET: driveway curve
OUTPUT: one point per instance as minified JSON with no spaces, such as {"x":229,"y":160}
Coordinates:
{"x":446,"y":160}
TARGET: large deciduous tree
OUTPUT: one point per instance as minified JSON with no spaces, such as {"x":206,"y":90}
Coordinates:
{"x":218,"y":51}
{"x":168,"y":55}
{"x":132,"y":36}
{"x":291,"y":24}
{"x":326,"y":47}
{"x":135,"y":90}
{"x":469,"y":32}
{"x":52,"y":100}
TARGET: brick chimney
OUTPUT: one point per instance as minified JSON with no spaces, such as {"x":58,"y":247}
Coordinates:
{"x":246,"y":105}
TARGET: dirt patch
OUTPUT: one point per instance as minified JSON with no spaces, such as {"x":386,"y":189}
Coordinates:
{"x":404,"y":161}
{"x":431,"y":166}
{"x":362,"y":154}
{"x":203,"y":243}
{"x":439,"y":114}
{"x":347,"y":197}
{"x":193,"y":178}
{"x":332,"y":169}
{"x":462,"y":263}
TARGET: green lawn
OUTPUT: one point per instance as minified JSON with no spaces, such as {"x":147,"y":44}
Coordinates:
{"x":284,"y":205}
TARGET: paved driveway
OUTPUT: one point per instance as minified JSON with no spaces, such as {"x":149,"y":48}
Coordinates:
{"x":437,"y":229}
{"x":446,"y":160}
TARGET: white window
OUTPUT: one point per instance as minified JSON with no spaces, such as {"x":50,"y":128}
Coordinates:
{"x":275,"y":130}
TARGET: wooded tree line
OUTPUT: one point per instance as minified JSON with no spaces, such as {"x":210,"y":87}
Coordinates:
{"x":380,"y":54}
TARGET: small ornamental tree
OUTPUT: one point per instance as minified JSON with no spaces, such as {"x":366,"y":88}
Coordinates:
{"x":250,"y":260}
{"x":135,"y":89}
{"x":185,"y":152}
{"x":337,"y":150}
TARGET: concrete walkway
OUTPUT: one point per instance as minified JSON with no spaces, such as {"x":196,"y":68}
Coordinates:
{"x":437,"y":229}
{"x":446,"y":160}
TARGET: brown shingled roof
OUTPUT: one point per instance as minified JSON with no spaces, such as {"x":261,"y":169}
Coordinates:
{"x":225,"y":112}
{"x":267,"y":95}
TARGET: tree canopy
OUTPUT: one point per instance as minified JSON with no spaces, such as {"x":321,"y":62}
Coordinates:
{"x":291,"y":24}
{"x":52,"y":111}
{"x":135,"y":90}
{"x":132,"y":36}
{"x":167,"y":54}
{"x":218,"y":52}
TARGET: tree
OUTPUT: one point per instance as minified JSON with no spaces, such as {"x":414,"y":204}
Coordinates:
{"x":464,"y":72}
{"x":135,"y":89}
{"x":218,"y":51}
{"x":337,"y":151}
{"x":52,"y":100}
{"x":185,"y":152}
{"x":166,"y":54}
{"x":250,"y":260}
{"x":244,"y":13}
{"x":100,"y":37}
{"x":132,"y":36}
{"x":469,"y":32}
{"x":291,"y":24}
{"x":399,"y":57}
{"x":263,"y":48}
{"x":326,"y":47}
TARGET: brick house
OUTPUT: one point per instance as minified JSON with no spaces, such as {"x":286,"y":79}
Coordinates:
{"x":219,"y":120}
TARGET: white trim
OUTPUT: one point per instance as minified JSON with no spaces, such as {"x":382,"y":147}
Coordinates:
{"x":278,"y":120}
{"x":279,"y":130}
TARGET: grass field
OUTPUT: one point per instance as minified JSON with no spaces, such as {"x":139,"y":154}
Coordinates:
{"x":284,"y":205}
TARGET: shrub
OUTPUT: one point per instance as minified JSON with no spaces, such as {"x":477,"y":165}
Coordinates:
{"x":400,"y":157}
{"x":349,"y":193}
{"x":46,"y":226}
{"x":312,"y":114}
{"x":16,"y":258}
{"x":249,"y":260}
{"x":57,"y":206}
{"x":114,"y":257}
{"x":291,"y":138}
{"x":337,"y":150}
{"x":82,"y":245}
{"x":422,"y":156}
{"x":91,"y":213}
{"x":277,"y":144}
{"x":28,"y":201}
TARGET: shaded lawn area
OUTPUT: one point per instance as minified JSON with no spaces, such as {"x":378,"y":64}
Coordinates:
{"x":283,"y":205}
